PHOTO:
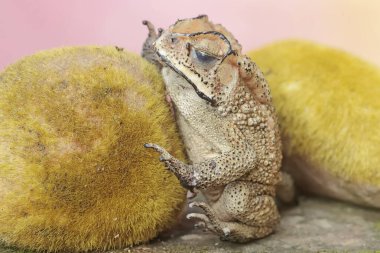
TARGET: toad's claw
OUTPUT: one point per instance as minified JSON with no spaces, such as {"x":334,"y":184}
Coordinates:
{"x":203,"y":206}
{"x":165,"y":156}
{"x":155,"y":147}
{"x":201,"y":224}
{"x":151,"y":29}
{"x":198,"y":216}
{"x":209,"y":213}
{"x":204,"y":222}
{"x":212,"y":223}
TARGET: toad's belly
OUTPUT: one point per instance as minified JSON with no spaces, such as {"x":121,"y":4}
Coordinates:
{"x":203,"y":130}
{"x":203,"y":139}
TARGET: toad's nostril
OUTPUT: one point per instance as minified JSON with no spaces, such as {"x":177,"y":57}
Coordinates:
{"x":173,"y":40}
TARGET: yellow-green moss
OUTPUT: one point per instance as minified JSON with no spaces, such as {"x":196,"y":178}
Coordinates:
{"x":74,"y":174}
{"x":328,"y":103}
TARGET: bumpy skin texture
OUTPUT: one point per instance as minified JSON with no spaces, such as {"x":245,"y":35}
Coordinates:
{"x":224,"y":111}
{"x":73,"y":169}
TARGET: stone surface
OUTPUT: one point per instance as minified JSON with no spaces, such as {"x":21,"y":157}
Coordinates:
{"x":315,"y":225}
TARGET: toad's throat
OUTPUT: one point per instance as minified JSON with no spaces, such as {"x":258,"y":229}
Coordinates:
{"x":199,"y":93}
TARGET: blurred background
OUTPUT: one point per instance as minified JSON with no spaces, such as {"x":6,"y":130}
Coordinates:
{"x":27,"y":26}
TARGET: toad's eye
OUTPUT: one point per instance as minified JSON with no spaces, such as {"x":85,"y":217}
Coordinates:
{"x":203,"y":57}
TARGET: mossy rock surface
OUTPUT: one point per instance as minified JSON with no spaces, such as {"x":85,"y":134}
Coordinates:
{"x":74,"y":175}
{"x":328,"y":103}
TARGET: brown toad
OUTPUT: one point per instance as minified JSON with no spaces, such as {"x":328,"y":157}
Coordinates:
{"x":223,"y":108}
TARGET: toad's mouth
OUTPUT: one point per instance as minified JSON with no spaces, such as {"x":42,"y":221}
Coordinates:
{"x":199,"y":93}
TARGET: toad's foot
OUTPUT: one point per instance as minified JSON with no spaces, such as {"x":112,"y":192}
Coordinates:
{"x":208,"y":221}
{"x":148,"y":51}
{"x":227,"y":231}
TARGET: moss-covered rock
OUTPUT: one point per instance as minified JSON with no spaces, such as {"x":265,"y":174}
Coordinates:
{"x":74,"y":175}
{"x":328,"y":103}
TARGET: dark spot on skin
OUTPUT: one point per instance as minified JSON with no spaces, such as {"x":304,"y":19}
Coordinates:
{"x":212,"y":164}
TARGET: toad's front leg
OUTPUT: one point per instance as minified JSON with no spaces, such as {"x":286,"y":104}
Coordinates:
{"x":218,"y":171}
{"x":178,"y":168}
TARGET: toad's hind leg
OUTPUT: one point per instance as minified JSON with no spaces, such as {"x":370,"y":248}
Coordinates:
{"x":245,"y":211}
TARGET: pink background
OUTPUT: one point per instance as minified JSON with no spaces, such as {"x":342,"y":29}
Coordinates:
{"x":31,"y":25}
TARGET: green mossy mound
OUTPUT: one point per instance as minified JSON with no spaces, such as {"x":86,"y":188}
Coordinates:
{"x":328,"y":103}
{"x":74,"y":175}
